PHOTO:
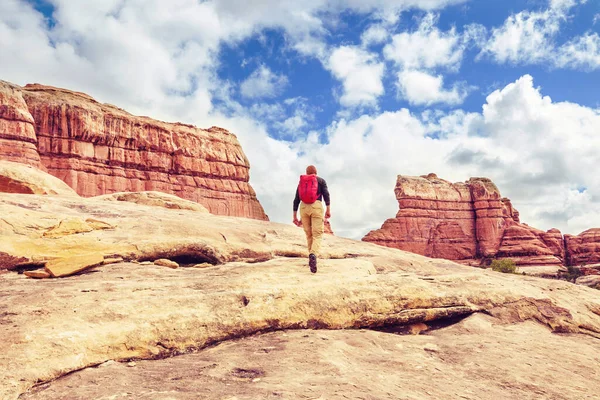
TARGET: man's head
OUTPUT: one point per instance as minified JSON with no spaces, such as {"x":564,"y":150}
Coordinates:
{"x":311,"y":170}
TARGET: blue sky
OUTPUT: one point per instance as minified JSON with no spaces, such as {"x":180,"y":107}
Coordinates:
{"x":364,"y":89}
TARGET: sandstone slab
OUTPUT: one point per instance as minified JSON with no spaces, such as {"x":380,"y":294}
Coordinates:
{"x":38,"y":274}
{"x":61,"y":267}
{"x":259,"y":281}
{"x":466,"y":360}
{"x":166,"y":263}
{"x":155,"y":199}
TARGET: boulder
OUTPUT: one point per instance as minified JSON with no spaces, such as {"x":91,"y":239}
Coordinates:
{"x":21,"y":178}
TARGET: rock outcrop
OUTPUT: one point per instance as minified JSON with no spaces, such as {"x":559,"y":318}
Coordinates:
{"x":254,"y":278}
{"x":469,"y":222}
{"x":583,"y":249}
{"x":100,"y":149}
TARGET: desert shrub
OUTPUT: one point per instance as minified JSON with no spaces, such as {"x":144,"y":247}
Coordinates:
{"x":505,"y":265}
{"x":572,"y":274}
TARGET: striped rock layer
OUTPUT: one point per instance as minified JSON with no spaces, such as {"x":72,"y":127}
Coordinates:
{"x":472,"y":223}
{"x":100,"y":149}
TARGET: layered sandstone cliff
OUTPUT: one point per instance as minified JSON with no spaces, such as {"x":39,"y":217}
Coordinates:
{"x":464,"y":221}
{"x":99,"y":149}
{"x":583,"y":249}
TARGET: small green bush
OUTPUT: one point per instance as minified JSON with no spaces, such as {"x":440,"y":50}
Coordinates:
{"x":505,"y":265}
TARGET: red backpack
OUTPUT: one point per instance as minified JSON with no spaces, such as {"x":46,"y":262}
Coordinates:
{"x":308,"y":188}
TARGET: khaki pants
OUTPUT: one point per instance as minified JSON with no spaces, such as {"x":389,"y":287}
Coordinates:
{"x":312,"y":222}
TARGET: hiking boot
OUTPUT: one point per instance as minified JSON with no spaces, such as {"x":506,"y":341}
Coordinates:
{"x":312,"y":263}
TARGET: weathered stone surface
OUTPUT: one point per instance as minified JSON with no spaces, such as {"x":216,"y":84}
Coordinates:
{"x":155,"y":199}
{"x":464,"y":361}
{"x":99,"y":148}
{"x":22,"y":178}
{"x":131,"y":311}
{"x":530,"y":246}
{"x":18,"y":141}
{"x":163,"y":262}
{"x":66,"y":266}
{"x":435,"y":218}
{"x":468,"y":222}
{"x":38,"y":274}
{"x":589,"y":280}
{"x":584,"y":248}
{"x":112,"y":260}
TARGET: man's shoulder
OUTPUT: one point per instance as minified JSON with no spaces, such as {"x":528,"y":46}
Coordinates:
{"x":321,"y":180}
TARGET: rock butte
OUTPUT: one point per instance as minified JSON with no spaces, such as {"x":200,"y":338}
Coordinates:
{"x":254,"y":279}
{"x":471,"y":222}
{"x":101,"y":149}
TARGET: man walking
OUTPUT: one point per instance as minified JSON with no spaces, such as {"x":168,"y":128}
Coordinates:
{"x":311,"y":191}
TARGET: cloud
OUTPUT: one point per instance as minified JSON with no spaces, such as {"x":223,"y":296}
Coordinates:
{"x":427,"y":47}
{"x":421,"y":88}
{"x":162,"y":59}
{"x":361,"y":74}
{"x":263,"y":83}
{"x":375,"y":34}
{"x":537,"y":151}
{"x":583,"y":52}
{"x":531,"y":38}
{"x":526,"y":37}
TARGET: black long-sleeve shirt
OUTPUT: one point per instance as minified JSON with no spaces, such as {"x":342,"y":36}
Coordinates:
{"x":322,"y":191}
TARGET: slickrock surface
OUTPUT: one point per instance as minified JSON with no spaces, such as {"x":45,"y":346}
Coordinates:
{"x":156,"y":199}
{"x":464,"y":361}
{"x":464,"y":221}
{"x":260,"y":282}
{"x":100,"y":149}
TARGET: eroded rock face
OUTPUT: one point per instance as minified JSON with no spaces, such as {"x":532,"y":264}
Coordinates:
{"x":583,"y":249}
{"x":464,"y":221}
{"x":18,"y":141}
{"x":21,"y":178}
{"x":100,"y":149}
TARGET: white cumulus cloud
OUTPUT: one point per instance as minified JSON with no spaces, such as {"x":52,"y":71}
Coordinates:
{"x":421,"y":88}
{"x":427,"y":47}
{"x":360,"y":73}
{"x":583,"y":52}
{"x":530,"y":37}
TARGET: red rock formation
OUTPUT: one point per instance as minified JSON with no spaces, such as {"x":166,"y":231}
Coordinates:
{"x":467,"y":221}
{"x":435,"y":218}
{"x":98,"y":149}
{"x":17,"y":136}
{"x":583,"y":249}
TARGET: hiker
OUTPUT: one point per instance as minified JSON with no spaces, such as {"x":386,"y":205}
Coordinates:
{"x":311,"y":190}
